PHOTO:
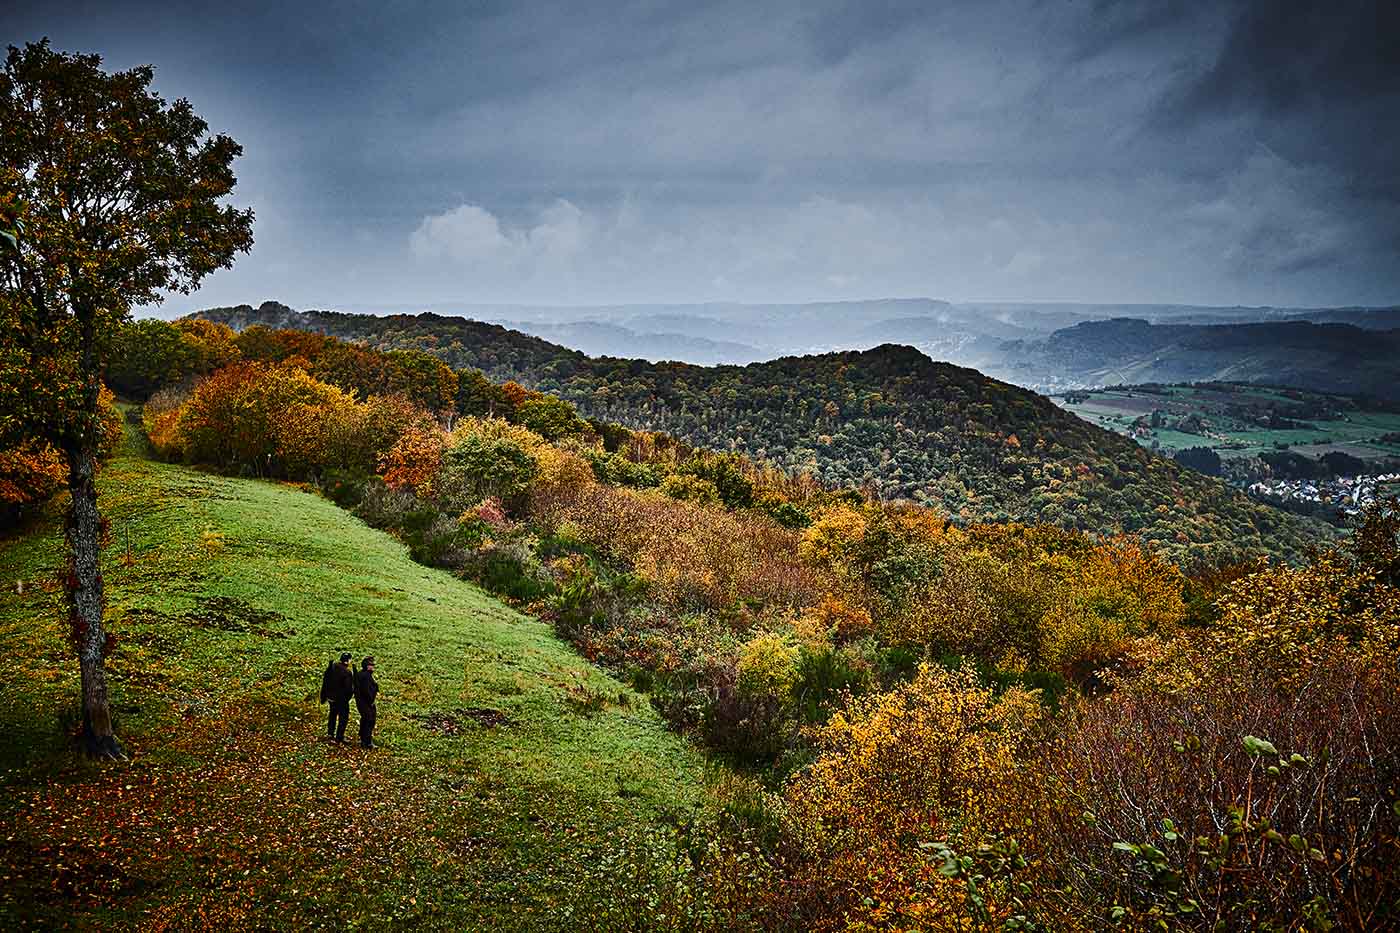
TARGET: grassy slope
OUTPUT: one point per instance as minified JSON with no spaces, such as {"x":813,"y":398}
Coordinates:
{"x":234,"y":808}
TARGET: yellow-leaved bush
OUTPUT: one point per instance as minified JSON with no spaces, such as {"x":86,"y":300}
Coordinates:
{"x":939,"y":758}
{"x":767,"y":667}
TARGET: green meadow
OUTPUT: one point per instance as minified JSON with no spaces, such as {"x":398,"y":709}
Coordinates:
{"x":509,"y":763}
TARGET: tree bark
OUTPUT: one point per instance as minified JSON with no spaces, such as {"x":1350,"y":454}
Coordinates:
{"x":86,"y":602}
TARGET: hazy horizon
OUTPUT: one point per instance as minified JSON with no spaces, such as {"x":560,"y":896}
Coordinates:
{"x":447,"y":306}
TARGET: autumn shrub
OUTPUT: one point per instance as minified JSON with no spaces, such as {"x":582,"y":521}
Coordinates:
{"x":751,"y":727}
{"x":437,"y":540}
{"x":148,"y":355}
{"x":384,"y":421}
{"x":1239,"y":803}
{"x":725,"y":472}
{"x":344,"y":487}
{"x":690,"y":488}
{"x":1259,"y":788}
{"x":616,"y":470}
{"x":838,"y":619}
{"x":588,"y":598}
{"x":1117,"y":592}
{"x":475,"y":467}
{"x":559,"y":467}
{"x":30,"y":474}
{"x":1012,"y":601}
{"x":939,"y":759}
{"x":827,"y":675}
{"x":833,"y":541}
{"x":551,"y":418}
{"x":383,"y":506}
{"x":212,"y":346}
{"x":411,"y":463}
{"x":785,"y":513}
{"x":267,"y":420}
{"x":509,"y":569}
{"x":268,"y":345}
{"x":160,"y":419}
{"x":425,"y":380}
{"x":768,"y":667}
{"x":693,"y":556}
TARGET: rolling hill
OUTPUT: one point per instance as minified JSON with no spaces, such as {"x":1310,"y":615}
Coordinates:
{"x":509,"y":762}
{"x":889,"y":419}
{"x":1332,"y":356}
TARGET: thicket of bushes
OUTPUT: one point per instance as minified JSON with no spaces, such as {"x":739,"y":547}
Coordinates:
{"x":980,"y":727}
{"x":32,"y":472}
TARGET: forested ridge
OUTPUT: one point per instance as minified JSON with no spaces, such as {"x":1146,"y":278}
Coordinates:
{"x":888,"y":419}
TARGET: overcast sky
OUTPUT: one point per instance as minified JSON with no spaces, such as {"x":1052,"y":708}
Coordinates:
{"x":1137,"y":150}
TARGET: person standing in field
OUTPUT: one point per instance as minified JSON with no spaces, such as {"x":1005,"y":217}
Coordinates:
{"x":366,"y":690}
{"x":337,"y":686}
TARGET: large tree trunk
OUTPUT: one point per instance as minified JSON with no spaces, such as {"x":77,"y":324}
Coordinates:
{"x":86,"y":602}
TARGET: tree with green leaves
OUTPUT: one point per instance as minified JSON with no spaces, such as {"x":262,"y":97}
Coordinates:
{"x":110,"y":198}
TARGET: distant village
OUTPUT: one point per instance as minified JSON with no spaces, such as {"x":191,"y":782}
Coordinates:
{"x":1347,"y":494}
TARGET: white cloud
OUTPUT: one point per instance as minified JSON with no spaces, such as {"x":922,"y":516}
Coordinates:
{"x":470,"y":235}
{"x":467,"y":233}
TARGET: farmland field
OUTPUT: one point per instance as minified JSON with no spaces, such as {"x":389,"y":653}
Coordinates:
{"x":1239,"y":420}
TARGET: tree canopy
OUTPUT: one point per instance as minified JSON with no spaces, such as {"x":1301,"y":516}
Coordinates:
{"x":110,"y":197}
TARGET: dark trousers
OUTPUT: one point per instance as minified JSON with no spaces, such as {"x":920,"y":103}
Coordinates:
{"x":339,"y":719}
{"x":367,"y":717}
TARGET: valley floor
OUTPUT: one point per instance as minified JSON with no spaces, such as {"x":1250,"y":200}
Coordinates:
{"x":509,"y":764}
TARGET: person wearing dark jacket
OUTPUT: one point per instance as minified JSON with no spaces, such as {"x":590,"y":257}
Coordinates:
{"x":337,"y":686}
{"x":366,"y":690}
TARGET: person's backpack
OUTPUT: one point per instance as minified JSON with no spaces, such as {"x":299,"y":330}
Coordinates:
{"x":326,"y":682}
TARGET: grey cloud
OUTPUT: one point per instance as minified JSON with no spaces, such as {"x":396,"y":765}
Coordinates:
{"x":1280,"y":57}
{"x":654,"y":150}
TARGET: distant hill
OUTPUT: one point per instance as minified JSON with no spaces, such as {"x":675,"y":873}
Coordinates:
{"x":499,"y":352}
{"x":1329,"y":357}
{"x":889,"y":418}
{"x":599,"y":338}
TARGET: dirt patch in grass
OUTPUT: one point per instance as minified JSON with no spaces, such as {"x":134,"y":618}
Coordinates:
{"x":454,"y":722}
{"x":219,"y":613}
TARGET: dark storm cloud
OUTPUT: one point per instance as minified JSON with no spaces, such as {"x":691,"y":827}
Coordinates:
{"x":1280,"y":58}
{"x":646,"y":151}
{"x":1317,"y":88}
